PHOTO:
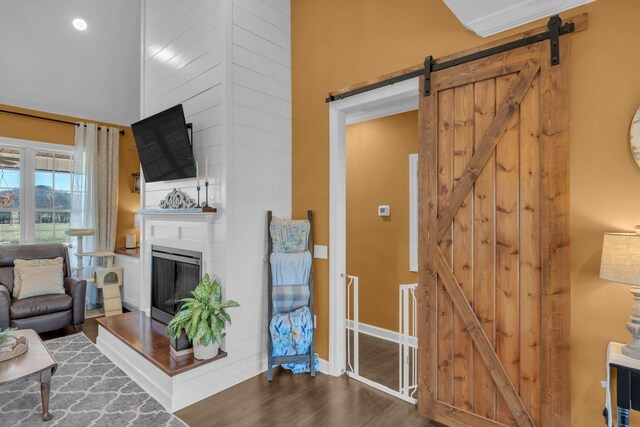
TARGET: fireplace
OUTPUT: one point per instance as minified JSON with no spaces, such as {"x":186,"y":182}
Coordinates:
{"x":175,"y":273}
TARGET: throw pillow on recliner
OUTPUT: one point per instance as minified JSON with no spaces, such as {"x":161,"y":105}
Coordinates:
{"x":37,"y":277}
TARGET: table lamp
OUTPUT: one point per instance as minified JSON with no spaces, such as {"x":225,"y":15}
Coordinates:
{"x":130,"y":242}
{"x":621,"y":263}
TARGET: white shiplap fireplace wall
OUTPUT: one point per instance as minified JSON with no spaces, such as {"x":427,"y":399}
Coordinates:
{"x":229,"y":63}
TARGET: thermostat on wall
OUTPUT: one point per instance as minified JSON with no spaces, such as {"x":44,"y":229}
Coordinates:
{"x":384,"y":210}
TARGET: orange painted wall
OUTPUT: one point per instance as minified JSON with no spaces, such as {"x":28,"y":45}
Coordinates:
{"x":12,"y":126}
{"x":337,"y":43}
{"x":378,"y":247}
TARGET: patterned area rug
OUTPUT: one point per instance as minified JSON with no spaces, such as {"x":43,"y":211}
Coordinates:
{"x":86,"y":390}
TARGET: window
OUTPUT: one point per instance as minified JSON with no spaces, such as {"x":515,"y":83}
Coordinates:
{"x":52,"y":196}
{"x":35,"y":191}
{"x":9,"y":195}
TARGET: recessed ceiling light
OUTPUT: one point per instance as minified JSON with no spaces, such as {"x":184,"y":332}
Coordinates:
{"x":80,"y":24}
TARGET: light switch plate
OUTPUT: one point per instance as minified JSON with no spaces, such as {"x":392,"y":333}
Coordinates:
{"x":320,"y":252}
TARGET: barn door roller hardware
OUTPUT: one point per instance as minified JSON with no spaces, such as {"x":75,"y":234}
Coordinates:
{"x":556,"y":29}
{"x":554,"y":25}
{"x":428,"y":68}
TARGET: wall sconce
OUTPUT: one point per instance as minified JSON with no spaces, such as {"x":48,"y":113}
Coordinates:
{"x":136,"y":182}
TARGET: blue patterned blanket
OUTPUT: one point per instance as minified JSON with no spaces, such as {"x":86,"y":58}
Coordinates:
{"x":292,"y":334}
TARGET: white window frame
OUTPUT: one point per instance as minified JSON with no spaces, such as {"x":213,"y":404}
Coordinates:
{"x":28,"y":150}
{"x":413,"y":212}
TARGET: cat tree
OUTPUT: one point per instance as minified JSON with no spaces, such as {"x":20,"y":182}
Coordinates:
{"x":107,"y":275}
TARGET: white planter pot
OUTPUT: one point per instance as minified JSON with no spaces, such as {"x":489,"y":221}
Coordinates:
{"x":202,"y":352}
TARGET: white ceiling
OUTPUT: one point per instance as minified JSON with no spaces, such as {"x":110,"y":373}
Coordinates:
{"x":47,"y":65}
{"x":488,"y":17}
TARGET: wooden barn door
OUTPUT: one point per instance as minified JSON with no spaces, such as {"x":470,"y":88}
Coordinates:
{"x":494,"y":241}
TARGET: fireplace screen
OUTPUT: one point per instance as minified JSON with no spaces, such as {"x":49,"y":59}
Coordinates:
{"x":175,"y":274}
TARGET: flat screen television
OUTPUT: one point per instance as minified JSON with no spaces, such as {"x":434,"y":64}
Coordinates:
{"x":164,"y":146}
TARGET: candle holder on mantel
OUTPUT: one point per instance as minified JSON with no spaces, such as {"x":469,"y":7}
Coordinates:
{"x":205,"y":203}
{"x":198,"y":189}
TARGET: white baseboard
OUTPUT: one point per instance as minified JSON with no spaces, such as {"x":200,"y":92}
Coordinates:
{"x":324,"y":366}
{"x":381,"y":333}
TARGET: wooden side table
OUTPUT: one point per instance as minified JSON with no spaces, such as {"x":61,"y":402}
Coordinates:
{"x":37,"y":363}
{"x":627,"y":384}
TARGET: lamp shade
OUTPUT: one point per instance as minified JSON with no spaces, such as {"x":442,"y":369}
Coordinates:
{"x":621,"y":258}
{"x":136,"y":221}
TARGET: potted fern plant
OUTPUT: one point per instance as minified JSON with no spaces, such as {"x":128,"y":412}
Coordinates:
{"x":203,"y":318}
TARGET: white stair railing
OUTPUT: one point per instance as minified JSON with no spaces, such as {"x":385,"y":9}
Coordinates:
{"x":406,"y":338}
{"x":408,"y":342}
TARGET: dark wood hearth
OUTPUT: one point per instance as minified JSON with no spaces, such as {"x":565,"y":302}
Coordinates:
{"x":147,"y":337}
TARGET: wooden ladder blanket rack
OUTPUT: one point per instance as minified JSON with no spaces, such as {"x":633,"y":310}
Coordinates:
{"x":310,"y":356}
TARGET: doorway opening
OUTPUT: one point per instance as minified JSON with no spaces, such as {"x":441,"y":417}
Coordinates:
{"x":372,"y":336}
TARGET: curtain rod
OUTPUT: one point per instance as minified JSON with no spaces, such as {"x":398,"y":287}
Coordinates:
{"x":48,"y":119}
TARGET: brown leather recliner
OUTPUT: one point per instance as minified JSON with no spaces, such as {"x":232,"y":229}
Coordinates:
{"x":46,"y":312}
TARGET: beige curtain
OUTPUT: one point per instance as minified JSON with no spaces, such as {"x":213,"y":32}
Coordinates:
{"x":107,"y":172}
{"x":83,"y":202}
{"x":94,"y":202}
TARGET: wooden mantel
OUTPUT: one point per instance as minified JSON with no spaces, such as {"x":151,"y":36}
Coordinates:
{"x":191,"y":214}
{"x":159,"y":211}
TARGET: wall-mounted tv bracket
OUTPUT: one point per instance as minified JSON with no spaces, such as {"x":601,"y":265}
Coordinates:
{"x":556,"y":29}
{"x":190,"y":127}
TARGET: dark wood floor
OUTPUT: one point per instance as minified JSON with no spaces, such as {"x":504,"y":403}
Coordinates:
{"x":293,"y":400}
{"x":378,"y":360}
{"x":90,"y":330}
{"x":299,"y":400}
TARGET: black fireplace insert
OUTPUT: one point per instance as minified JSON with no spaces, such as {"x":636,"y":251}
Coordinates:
{"x":175,"y":273}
